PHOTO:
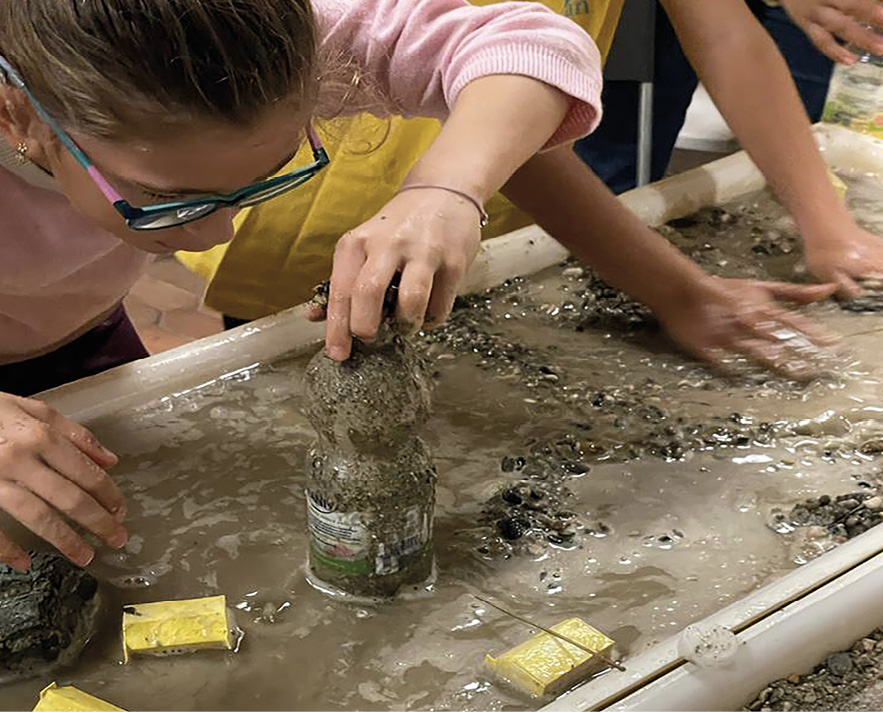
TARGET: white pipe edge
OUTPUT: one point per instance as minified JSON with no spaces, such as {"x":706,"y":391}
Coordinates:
{"x":791,"y":640}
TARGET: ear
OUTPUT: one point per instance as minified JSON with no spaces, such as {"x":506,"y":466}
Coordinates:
{"x":19,"y":122}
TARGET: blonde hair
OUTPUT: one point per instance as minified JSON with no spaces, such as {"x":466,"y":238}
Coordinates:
{"x":120,"y":68}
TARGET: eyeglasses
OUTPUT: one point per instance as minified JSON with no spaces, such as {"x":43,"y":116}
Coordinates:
{"x":171,"y":214}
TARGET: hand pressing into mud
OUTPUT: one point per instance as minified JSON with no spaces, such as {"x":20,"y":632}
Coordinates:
{"x":430,"y":236}
{"x":52,"y":469}
{"x":730,"y":317}
{"x":826,"y":21}
{"x":845,"y":257}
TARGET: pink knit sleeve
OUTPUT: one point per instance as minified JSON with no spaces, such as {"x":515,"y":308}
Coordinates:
{"x":419,"y":54}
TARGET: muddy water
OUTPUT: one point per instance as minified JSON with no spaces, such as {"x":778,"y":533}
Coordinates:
{"x":677,"y":472}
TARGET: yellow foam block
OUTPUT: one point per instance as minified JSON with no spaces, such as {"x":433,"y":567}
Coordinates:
{"x":170,"y":627}
{"x":546,"y":665}
{"x":70,"y":699}
{"x":838,"y":184}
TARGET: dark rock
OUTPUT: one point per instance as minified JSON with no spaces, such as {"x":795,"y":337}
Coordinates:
{"x":513,"y":527}
{"x":47,"y":616}
{"x":839,"y":664}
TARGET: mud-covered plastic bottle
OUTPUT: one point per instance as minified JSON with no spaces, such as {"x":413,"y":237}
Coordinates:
{"x":855,"y":95}
{"x":371,"y":489}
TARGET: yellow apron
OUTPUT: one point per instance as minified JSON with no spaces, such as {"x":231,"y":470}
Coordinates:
{"x":284,"y":247}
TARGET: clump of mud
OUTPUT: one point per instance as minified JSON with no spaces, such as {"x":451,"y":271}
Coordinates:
{"x":371,"y":490}
{"x":845,"y":680}
{"x":47,"y":616}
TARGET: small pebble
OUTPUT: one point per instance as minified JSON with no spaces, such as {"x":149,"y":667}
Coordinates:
{"x":874,"y":503}
{"x":575,"y":272}
{"x":849,"y":503}
{"x":839,"y":664}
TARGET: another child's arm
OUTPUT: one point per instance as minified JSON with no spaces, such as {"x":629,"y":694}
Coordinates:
{"x":710,"y":317}
{"x":749,"y":81}
{"x":826,"y":21}
{"x":509,"y":79}
{"x":51,"y":471}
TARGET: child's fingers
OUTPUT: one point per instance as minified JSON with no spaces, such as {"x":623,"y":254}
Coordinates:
{"x":847,"y":28}
{"x":90,"y":479}
{"x":366,"y":310}
{"x":44,"y":521}
{"x":868,"y":11}
{"x":827,"y":45}
{"x":76,"y":433}
{"x":847,"y":288}
{"x":348,"y":260}
{"x":800,"y":293}
{"x":13,"y":555}
{"x":415,"y":289}
{"x":813,"y":331}
{"x":76,"y":504}
{"x":444,"y":291}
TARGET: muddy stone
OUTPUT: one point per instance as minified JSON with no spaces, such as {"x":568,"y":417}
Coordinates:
{"x":47,"y":615}
{"x":371,"y":491}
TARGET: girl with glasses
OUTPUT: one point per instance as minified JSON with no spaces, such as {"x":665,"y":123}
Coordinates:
{"x":135,"y":128}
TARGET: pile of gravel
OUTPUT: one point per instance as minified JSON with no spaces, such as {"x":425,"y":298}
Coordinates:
{"x":841,"y":682}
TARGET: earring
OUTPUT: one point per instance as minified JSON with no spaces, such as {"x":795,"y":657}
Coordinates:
{"x":22,"y":152}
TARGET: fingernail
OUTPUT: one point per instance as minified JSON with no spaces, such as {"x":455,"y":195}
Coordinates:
{"x":113,"y":456}
{"x":84,"y":558}
{"x":118,"y":540}
{"x":336,"y":352}
{"x":119,"y":513}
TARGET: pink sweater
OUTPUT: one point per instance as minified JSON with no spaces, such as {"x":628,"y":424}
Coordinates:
{"x":59,"y":274}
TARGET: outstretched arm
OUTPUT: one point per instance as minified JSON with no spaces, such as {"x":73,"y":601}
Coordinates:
{"x":749,"y":81}
{"x":709,"y":317}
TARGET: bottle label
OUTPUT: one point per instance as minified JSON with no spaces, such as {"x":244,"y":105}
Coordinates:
{"x":339,"y":540}
{"x":414,"y":536}
{"x":342,"y":540}
{"x":854,"y":99}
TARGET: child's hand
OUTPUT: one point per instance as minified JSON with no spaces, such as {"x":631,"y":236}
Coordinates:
{"x":734,"y":316}
{"x":431,"y":236}
{"x":848,"y":254}
{"x":52,"y":468}
{"x":826,"y":21}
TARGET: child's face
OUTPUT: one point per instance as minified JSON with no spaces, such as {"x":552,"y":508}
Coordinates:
{"x":202,"y":158}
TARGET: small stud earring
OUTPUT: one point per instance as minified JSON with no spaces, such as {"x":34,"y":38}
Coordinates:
{"x":22,"y":152}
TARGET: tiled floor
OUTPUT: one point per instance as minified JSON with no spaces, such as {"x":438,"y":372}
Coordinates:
{"x":166,"y":307}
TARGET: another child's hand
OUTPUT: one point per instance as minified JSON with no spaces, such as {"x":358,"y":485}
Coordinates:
{"x":51,"y":468}
{"x":431,"y":236}
{"x":826,"y":21}
{"x":849,"y":254}
{"x":730,"y":317}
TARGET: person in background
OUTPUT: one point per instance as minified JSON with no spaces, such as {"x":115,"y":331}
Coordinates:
{"x":729,"y":45}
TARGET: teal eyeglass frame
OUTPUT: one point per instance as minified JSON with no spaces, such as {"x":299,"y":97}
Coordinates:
{"x":172,"y":214}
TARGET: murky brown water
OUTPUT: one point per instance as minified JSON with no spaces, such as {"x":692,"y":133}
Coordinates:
{"x":215,"y":483}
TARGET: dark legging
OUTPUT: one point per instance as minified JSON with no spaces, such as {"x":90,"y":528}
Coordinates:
{"x":612,"y":150}
{"x":112,"y":343}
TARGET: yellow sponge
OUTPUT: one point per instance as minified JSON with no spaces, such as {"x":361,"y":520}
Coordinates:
{"x":70,"y":699}
{"x":546,"y":665}
{"x":170,"y":627}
